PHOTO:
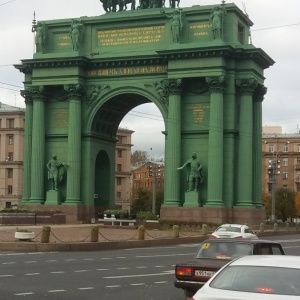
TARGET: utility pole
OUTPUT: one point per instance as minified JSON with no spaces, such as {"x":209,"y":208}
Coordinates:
{"x":274,"y":165}
{"x":154,"y":190}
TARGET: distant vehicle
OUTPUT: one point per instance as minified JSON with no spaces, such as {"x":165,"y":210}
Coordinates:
{"x":212,"y":255}
{"x":233,"y":231}
{"x":251,"y":278}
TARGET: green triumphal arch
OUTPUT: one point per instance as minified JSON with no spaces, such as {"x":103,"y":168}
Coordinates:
{"x":195,"y":63}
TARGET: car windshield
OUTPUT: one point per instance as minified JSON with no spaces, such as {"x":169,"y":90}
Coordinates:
{"x":259,"y":279}
{"x":229,"y":228}
{"x":224,"y":250}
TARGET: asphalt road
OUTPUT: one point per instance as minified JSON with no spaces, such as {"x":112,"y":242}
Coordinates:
{"x":146,"y":273}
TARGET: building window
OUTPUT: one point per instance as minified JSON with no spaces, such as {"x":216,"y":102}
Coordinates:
{"x":10,"y":139}
{"x":10,"y":173}
{"x":119,"y":194}
{"x":119,"y":138}
{"x":119,"y":181}
{"x":7,"y":204}
{"x":298,"y":147}
{"x":285,"y":162}
{"x":285,"y":148}
{"x":285,"y":186}
{"x":119,"y":168}
{"x":10,"y":123}
{"x":241,"y":33}
{"x":119,"y":153}
{"x":271,"y":148}
{"x":9,"y":189}
{"x":10,"y":156}
{"x":284,"y":175}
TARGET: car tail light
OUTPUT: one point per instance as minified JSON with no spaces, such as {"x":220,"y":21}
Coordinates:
{"x":183,"y":271}
{"x":212,"y":237}
{"x":265,"y":290}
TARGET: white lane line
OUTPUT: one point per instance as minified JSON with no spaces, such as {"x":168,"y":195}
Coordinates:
{"x":142,"y":267}
{"x":70,"y":259}
{"x":137,"y":284}
{"x":159,"y":266}
{"x":86,"y":288}
{"x":102,"y":269}
{"x":122,"y":268}
{"x":32,"y":274}
{"x":141,"y":275}
{"x":24,"y":294}
{"x":56,"y":291}
{"x":88,"y":259}
{"x":8,"y":263}
{"x":80,"y":271}
{"x":51,"y":260}
{"x":2,"y":276}
{"x":30,"y":262}
{"x":57,"y":272}
{"x":113,"y":286}
{"x":161,"y":282}
{"x":165,"y":255}
{"x":121,"y":257}
{"x":105,"y":258}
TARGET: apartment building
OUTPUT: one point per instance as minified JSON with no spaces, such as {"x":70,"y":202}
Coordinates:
{"x":12,"y":122}
{"x":146,"y":175}
{"x":123,"y":168}
{"x":281,"y":160}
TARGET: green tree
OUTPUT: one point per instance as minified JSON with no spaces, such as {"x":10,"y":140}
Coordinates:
{"x":139,"y":156}
{"x":285,"y":204}
{"x":142,"y":201}
{"x":267,"y":203}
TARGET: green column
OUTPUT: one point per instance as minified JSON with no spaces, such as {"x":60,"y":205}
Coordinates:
{"x":27,"y":146}
{"x":230,"y":133}
{"x":258,"y":97}
{"x":74,"y":144}
{"x":173,"y":145}
{"x":215,"y":142}
{"x":38,"y":147}
{"x":245,"y":154}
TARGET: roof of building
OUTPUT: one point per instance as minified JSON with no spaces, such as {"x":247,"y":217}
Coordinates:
{"x":281,"y":136}
{"x":10,"y":108}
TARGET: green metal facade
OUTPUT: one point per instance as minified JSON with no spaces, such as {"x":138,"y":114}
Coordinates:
{"x":209,"y":91}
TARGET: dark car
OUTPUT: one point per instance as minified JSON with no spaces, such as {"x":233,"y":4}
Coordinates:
{"x":214,"y":254}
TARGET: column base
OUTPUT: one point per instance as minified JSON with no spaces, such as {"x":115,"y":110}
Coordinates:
{"x":72,"y":201}
{"x":53,"y":198}
{"x":192,"y":199}
{"x":214,"y":203}
{"x":36,"y":201}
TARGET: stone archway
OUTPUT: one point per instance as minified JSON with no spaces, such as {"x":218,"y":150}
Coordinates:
{"x":208,"y":87}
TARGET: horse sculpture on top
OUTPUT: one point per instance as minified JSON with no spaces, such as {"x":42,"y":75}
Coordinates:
{"x":111,"y":5}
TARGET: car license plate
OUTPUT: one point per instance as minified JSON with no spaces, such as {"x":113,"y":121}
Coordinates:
{"x":204,"y":273}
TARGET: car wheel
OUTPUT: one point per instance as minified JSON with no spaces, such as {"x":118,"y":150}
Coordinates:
{"x":189,"y":294}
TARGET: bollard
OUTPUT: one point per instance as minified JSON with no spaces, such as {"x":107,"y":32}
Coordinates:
{"x":261,"y":227}
{"x":275,"y":228}
{"x":287,"y":226}
{"x":204,"y":229}
{"x":45,"y":234}
{"x":94,"y":234}
{"x":176,"y":231}
{"x":141,"y":230}
{"x":297,"y":226}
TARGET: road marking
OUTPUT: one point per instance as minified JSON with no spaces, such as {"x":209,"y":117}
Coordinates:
{"x":80,"y":271}
{"x":70,"y":259}
{"x":102,"y":269}
{"x":57,"y":272}
{"x":32,"y":274}
{"x":136,"y":284}
{"x":88,"y":259}
{"x":24,"y":294}
{"x":30,"y":262}
{"x":86,"y":288}
{"x":51,"y":260}
{"x":1,"y":276}
{"x":56,"y":291}
{"x":122,"y":268}
{"x":142,"y":267}
{"x":113,"y":286}
{"x":8,"y":263}
{"x":160,"y":282}
{"x":141,"y":275}
{"x":165,"y":255}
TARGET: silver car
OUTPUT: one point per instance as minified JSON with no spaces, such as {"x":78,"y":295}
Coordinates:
{"x":263,"y":277}
{"x":233,"y":231}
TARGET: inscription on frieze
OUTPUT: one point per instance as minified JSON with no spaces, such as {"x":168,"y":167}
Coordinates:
{"x":62,"y":42}
{"x":130,"y":36}
{"x":59,"y":118}
{"x":199,"y":112}
{"x":127,"y":71}
{"x":200,"y":30}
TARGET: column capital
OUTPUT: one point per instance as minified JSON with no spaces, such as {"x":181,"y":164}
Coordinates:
{"x":35,"y":93}
{"x":259,"y":93}
{"x":246,"y":86}
{"x":175,"y":86}
{"x":27,"y":95}
{"x":74,"y":91}
{"x":216,"y":84}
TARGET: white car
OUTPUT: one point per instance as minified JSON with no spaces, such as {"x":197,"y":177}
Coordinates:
{"x":263,"y":277}
{"x":233,"y":231}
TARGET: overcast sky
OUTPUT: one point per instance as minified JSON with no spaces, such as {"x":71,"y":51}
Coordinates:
{"x":276,"y":30}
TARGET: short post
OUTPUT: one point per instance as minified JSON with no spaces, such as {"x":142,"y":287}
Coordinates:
{"x":287,"y":226}
{"x":297,"y":226}
{"x":204,"y":229}
{"x":261,"y":227}
{"x":275,"y":228}
{"x":176,"y":231}
{"x":45,"y":234}
{"x":141,"y":230}
{"x":94,"y":234}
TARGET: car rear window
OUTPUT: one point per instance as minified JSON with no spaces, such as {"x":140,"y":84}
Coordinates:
{"x":229,"y":228}
{"x":259,"y":279}
{"x":224,"y":250}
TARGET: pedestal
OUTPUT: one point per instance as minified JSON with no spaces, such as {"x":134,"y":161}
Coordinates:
{"x":192,"y":198}
{"x":53,"y":198}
